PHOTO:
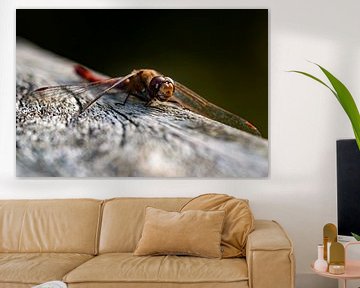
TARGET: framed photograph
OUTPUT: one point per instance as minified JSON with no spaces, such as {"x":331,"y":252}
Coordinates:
{"x":142,"y":93}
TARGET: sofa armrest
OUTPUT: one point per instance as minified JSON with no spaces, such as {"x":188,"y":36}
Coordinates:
{"x":269,"y":256}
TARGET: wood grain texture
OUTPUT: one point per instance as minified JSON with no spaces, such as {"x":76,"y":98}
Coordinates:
{"x":110,"y":140}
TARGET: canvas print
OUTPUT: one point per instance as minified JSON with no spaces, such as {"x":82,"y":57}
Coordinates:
{"x":142,"y":93}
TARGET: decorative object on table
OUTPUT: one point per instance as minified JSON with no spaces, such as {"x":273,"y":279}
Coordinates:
{"x":337,"y":258}
{"x":329,"y":236}
{"x":344,"y":97}
{"x":336,"y":269}
{"x":333,"y":252}
{"x":51,"y":284}
{"x":348,"y":270}
{"x":320,"y":264}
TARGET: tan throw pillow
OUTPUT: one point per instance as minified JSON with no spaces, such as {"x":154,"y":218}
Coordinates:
{"x":239,"y":220}
{"x":196,"y":233}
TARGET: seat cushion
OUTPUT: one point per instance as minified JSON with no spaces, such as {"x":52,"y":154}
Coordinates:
{"x":36,"y":268}
{"x":129,"y":269}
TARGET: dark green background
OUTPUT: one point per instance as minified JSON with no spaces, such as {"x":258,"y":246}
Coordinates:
{"x":220,"y":54}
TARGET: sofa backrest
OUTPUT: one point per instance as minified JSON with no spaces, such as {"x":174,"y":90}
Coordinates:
{"x":123,"y":220}
{"x":67,"y":226}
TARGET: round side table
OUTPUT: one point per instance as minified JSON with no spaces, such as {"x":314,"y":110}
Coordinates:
{"x":352,"y":269}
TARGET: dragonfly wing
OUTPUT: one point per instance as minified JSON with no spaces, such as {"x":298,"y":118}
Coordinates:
{"x":194,"y":102}
{"x":84,"y":94}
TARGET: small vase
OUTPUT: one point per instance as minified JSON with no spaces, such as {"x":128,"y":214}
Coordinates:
{"x":320,"y":264}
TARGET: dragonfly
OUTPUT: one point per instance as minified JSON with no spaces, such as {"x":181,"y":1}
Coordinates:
{"x":147,"y":85}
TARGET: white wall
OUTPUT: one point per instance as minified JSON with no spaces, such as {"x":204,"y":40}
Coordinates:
{"x":305,"y":121}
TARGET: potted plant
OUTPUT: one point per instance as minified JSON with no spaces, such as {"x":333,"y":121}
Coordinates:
{"x":346,"y":100}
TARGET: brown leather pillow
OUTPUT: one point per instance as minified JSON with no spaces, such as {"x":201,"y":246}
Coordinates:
{"x":239,"y":220}
{"x":196,"y":233}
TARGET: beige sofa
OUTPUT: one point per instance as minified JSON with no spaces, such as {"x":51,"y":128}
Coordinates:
{"x":89,"y":243}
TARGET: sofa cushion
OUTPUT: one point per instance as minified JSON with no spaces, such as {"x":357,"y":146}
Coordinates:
{"x":123,"y":220}
{"x":238,"y":223}
{"x":63,"y":226}
{"x":36,"y":268}
{"x":193,"y":232}
{"x":127,"y":268}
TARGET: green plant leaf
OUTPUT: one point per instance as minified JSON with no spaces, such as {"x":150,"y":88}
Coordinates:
{"x":316,"y":79}
{"x":357,"y":237}
{"x":344,"y":97}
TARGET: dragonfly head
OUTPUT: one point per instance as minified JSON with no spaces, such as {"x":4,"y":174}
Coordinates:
{"x":161,"y":88}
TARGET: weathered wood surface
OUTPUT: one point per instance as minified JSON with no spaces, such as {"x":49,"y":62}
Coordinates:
{"x":113,"y":140}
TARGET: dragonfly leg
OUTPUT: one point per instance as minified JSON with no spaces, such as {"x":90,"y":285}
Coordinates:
{"x":139,"y":96}
{"x":123,"y":103}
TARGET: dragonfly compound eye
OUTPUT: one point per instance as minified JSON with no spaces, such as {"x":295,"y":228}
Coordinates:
{"x":161,"y":88}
